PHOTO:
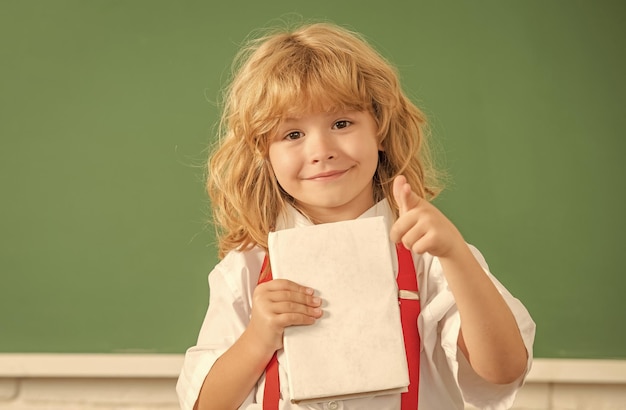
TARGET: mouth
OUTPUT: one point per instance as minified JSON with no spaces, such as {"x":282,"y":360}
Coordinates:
{"x":328,"y":175}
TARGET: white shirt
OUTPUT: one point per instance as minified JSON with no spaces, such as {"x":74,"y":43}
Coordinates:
{"x":446,"y":378}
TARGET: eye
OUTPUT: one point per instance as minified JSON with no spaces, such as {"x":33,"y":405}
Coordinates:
{"x":294,"y":135}
{"x":341,"y":124}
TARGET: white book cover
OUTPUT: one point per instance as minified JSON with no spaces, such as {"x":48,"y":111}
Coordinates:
{"x":356,"y":349}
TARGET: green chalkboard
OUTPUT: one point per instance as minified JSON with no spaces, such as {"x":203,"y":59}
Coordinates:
{"x":107,"y":109}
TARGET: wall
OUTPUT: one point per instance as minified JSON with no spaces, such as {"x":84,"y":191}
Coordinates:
{"x":130,"y":382}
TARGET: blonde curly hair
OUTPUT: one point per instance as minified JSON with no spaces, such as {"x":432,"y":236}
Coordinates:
{"x":317,"y":66}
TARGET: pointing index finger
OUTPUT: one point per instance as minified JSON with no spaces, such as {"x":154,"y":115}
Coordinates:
{"x":401,"y":193}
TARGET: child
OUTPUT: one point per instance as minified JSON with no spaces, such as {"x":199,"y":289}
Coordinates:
{"x":316,"y":129}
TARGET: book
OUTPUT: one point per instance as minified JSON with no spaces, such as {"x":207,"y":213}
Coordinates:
{"x":356,"y":348}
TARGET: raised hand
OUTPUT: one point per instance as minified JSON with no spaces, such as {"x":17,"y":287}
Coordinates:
{"x":489,"y":336}
{"x":278,"y":304}
{"x":421,"y":227}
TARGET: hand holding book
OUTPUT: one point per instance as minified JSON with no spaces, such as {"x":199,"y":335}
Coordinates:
{"x":278,"y":304}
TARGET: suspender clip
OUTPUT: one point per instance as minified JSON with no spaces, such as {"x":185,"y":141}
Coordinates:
{"x":408,"y":294}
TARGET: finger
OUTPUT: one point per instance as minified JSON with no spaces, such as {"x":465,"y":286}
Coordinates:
{"x":294,"y":297}
{"x":289,"y":291}
{"x":404,"y":195}
{"x":296,"y":308}
{"x":412,"y":237}
{"x":294,"y":319}
{"x":399,"y":192}
{"x":402,"y":226}
{"x":287,"y":285}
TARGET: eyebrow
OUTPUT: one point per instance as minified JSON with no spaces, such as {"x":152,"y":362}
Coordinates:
{"x":290,"y":119}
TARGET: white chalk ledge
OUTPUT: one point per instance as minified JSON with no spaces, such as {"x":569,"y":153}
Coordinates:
{"x":18,"y":365}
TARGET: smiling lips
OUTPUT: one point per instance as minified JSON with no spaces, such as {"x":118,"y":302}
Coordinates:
{"x":328,"y":175}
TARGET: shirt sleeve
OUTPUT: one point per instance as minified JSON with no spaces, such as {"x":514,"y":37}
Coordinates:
{"x":231,"y":285}
{"x":440,"y":326}
{"x":478,"y":392}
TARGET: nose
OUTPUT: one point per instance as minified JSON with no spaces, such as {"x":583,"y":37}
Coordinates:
{"x":321,"y":147}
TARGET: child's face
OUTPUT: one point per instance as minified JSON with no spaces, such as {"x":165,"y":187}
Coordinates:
{"x":326,"y":162}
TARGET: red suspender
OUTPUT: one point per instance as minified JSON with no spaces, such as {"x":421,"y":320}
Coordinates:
{"x":271,"y":394}
{"x":409,"y":311}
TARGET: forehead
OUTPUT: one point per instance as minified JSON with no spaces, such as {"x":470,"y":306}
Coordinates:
{"x":297,"y":107}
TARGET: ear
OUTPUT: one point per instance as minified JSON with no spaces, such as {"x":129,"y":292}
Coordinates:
{"x":380,"y":138}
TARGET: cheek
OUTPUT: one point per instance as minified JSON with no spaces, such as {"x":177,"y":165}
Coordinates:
{"x":371,"y":155}
{"x":281,"y":164}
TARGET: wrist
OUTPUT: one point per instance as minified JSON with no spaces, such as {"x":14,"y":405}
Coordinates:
{"x":258,"y":344}
{"x":459,"y":259}
{"x":457,"y":251}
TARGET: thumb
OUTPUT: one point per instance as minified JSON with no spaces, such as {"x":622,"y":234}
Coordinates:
{"x":403,"y":194}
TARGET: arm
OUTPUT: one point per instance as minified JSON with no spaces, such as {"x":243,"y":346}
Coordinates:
{"x":276,"y":304}
{"x":489,"y":336}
